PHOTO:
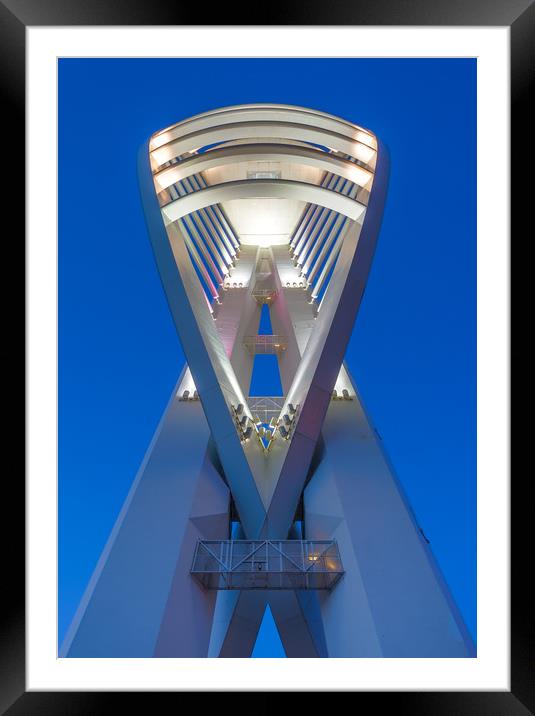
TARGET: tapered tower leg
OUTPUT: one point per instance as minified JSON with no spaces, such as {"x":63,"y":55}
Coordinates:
{"x":392,"y":600}
{"x":141,"y":600}
{"x":299,"y":623}
{"x":237,"y":619}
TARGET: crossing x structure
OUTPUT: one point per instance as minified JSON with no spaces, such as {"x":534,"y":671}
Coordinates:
{"x":265,"y":214}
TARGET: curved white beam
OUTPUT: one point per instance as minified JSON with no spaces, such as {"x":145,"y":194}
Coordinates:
{"x":263,"y":112}
{"x":258,"y":131}
{"x":262,"y":188}
{"x":244,"y":153}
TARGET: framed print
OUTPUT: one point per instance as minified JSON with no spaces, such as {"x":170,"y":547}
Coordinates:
{"x":268,"y":356}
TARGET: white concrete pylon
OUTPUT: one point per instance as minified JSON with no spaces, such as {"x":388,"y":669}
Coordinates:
{"x":274,"y":484}
{"x":266,"y":488}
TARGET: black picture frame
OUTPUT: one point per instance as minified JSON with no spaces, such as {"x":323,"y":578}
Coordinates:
{"x":15,"y":16}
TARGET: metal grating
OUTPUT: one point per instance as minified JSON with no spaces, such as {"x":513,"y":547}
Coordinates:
{"x":265,"y":344}
{"x":267,"y":564}
{"x":266,"y":408}
{"x":264,"y":295}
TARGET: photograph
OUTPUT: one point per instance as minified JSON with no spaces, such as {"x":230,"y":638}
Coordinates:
{"x":267,"y":357}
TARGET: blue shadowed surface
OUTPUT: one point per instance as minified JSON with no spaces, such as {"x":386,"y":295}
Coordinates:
{"x":413,"y":349}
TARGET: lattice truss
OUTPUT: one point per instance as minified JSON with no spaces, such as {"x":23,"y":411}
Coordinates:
{"x":267,"y":564}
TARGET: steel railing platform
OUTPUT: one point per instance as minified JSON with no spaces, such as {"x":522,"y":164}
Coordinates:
{"x":267,"y":564}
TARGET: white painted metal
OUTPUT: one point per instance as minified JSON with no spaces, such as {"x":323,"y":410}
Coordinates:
{"x":313,"y":218}
{"x":262,"y":188}
{"x":246,"y":154}
{"x":265,"y":112}
{"x":259,"y":130}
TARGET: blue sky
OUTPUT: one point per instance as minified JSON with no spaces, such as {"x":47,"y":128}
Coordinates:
{"x":413,"y":348}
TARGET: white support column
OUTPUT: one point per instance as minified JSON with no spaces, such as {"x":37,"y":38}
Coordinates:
{"x":220,"y":216}
{"x":338,"y":226}
{"x":222,"y":248}
{"x":219,"y":254}
{"x":201,"y":245}
{"x":197,"y":259}
{"x":318,"y":231}
{"x":330,"y":262}
{"x":329,"y":231}
{"x":307,"y":214}
{"x":314,"y":218}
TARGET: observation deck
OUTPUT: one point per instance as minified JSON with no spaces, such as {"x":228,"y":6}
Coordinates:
{"x":267,"y":564}
{"x":265,"y":344}
{"x":264,"y":295}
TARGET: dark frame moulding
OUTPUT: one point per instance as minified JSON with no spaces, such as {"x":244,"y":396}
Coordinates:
{"x":15,"y":16}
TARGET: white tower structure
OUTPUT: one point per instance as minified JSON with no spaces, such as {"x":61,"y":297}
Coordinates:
{"x":288,"y":500}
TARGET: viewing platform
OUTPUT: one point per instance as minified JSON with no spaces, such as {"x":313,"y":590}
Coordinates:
{"x":265,"y":344}
{"x":267,"y":564}
{"x":266,"y":408}
{"x":264,"y":295}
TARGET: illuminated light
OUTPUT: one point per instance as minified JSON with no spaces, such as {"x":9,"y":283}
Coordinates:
{"x":366,"y":139}
{"x":364,"y":153}
{"x":186,"y":384}
{"x":360,"y":176}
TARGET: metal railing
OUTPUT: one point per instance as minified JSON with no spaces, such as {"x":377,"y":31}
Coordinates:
{"x":267,"y":564}
{"x":266,"y":408}
{"x":264,"y":295}
{"x":265,"y":344}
